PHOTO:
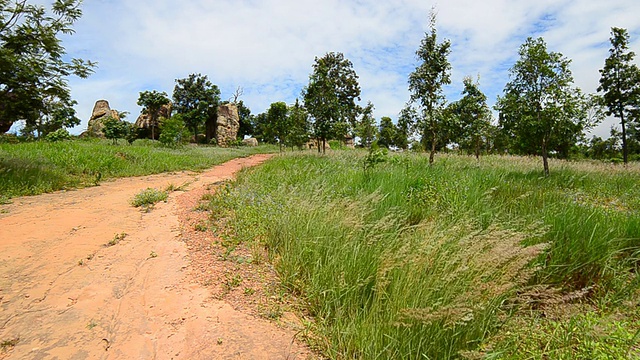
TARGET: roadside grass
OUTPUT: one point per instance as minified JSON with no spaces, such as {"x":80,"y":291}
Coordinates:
{"x":402,"y":260}
{"x":39,"y":167}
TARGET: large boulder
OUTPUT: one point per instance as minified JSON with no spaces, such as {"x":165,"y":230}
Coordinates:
{"x":144,"y":120}
{"x":227,"y":125}
{"x":252,"y":142}
{"x":101,"y":111}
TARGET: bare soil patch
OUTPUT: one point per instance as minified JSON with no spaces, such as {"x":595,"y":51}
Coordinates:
{"x":72,"y":286}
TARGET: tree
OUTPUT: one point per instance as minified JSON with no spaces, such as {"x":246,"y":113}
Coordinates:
{"x":425,"y":84}
{"x":387,"y":132}
{"x":115,"y":129}
{"x":152,"y":102}
{"x":197,"y":99}
{"x":299,"y":125}
{"x":405,"y":128}
{"x":540,"y":108}
{"x":620,"y":84}
{"x":330,"y":96}
{"x":54,"y":115}
{"x":173,"y":130}
{"x":474,"y":116}
{"x":278,"y":120}
{"x":366,"y":129}
{"x":244,"y":115}
{"x":33,"y":63}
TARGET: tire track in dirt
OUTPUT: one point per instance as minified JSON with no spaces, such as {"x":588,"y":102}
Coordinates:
{"x":65,"y":295}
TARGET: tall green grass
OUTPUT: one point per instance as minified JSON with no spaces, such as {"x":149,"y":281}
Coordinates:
{"x":38,"y":167}
{"x":409,"y":261}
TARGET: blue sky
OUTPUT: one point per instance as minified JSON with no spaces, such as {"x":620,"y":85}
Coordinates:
{"x":268,"y":47}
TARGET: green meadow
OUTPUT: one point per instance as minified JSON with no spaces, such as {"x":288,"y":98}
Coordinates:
{"x":396,"y":259}
{"x":38,"y":167}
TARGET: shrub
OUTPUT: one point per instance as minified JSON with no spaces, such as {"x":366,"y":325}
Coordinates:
{"x":172,"y":131}
{"x":58,"y":135}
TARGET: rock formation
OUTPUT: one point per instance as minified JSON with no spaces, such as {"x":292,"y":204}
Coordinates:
{"x":101,"y":111}
{"x":251,"y":142}
{"x":227,"y":125}
{"x":144,"y":120}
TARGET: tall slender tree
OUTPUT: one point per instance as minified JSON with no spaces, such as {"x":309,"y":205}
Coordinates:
{"x":278,"y":120}
{"x":540,"y":107}
{"x":298,"y":133}
{"x":330,"y":96}
{"x":620,"y":84}
{"x":474,"y":116}
{"x":426,"y":82}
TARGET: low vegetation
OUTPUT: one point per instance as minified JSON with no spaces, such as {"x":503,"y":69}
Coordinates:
{"x":147,"y":198}
{"x":397,"y":259}
{"x":39,"y":167}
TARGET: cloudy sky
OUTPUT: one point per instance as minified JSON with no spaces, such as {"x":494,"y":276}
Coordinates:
{"x":268,"y":47}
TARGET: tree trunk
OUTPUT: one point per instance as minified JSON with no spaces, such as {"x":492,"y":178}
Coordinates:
{"x":324,"y":145}
{"x":432,"y":155}
{"x":545,"y":158}
{"x":478,"y":149}
{"x":625,"y":152}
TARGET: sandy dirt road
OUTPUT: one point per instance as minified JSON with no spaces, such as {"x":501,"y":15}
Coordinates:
{"x":65,"y":294}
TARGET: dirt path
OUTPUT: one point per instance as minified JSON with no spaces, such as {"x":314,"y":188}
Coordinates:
{"x":65,"y":294}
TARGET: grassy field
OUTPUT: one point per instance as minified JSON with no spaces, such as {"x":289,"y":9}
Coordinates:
{"x":39,"y":167}
{"x":463,"y":259}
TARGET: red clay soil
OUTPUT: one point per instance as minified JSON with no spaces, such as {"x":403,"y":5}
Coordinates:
{"x":65,"y":293}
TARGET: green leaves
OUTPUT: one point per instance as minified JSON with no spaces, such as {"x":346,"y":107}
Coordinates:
{"x":425,"y":84}
{"x":331,"y":94}
{"x":196,"y":98}
{"x":540,"y":108}
{"x":33,"y":70}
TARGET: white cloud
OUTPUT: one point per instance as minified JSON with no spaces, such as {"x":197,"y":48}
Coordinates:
{"x":268,"y":47}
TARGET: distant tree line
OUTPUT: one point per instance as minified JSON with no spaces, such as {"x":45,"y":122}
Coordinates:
{"x":541,"y":112}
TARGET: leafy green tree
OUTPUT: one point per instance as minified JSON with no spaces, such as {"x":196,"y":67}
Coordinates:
{"x":620,"y":84}
{"x":34,"y":66}
{"x":152,"y":102}
{"x":405,"y":128}
{"x":246,"y":126}
{"x":278,"y":120}
{"x":55,"y":115}
{"x":425,"y":84}
{"x":330,"y":97}
{"x":366,"y":129}
{"x":262,"y":130}
{"x":197,"y":99}
{"x":387,"y":132}
{"x":540,"y":107}
{"x":173,"y":131}
{"x":299,"y":125}
{"x":115,"y":129}
{"x":474,"y":116}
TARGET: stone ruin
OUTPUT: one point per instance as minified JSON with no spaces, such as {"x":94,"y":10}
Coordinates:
{"x":101,"y":111}
{"x":227,"y":124}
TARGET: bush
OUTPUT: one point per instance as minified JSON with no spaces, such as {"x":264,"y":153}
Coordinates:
{"x":172,"y":131}
{"x":58,"y":135}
